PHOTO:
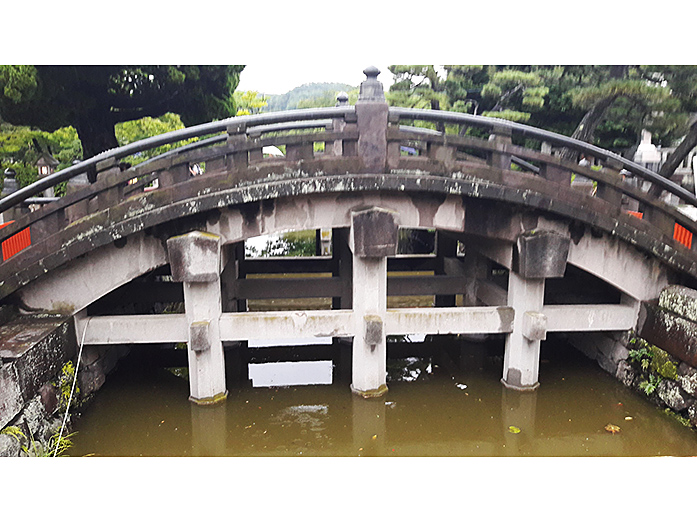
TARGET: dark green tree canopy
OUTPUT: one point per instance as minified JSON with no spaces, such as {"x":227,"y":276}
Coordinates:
{"x":94,"y":98}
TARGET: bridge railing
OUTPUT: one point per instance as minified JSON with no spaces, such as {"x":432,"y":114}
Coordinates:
{"x":103,"y":180}
{"x":621,"y":182}
{"x":238,"y":143}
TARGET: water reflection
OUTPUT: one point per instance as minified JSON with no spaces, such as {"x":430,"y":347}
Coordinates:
{"x":459,"y":408}
{"x":208,"y":430}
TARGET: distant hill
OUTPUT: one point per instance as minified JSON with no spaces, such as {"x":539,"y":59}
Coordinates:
{"x":290,"y":100}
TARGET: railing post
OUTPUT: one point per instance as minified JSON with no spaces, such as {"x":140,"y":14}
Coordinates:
{"x":81,"y":208}
{"x":608,"y":192}
{"x":339,"y":124}
{"x":371,"y":112}
{"x":10,"y":186}
{"x":500,"y":136}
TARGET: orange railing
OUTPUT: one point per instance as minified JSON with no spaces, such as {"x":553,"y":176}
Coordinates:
{"x":16,"y":242}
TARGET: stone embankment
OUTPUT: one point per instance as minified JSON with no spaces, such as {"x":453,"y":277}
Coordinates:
{"x":37,"y":355}
{"x":659,"y":361}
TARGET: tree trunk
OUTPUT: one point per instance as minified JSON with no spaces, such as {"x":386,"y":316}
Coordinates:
{"x":590,"y":121}
{"x":96,"y":132}
{"x":676,"y":157}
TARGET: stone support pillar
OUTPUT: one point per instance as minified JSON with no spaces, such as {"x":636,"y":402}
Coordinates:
{"x":195,"y":260}
{"x":538,"y":255}
{"x":373,"y":238}
{"x":522,"y":357}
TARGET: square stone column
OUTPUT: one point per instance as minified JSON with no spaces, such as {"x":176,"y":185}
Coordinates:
{"x":538,"y":254}
{"x":521,"y":360}
{"x":195,"y":260}
{"x":373,"y":238}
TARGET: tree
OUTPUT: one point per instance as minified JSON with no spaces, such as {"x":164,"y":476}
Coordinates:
{"x":135,"y":130}
{"x":21,"y":147}
{"x":249,"y":102}
{"x":94,"y":98}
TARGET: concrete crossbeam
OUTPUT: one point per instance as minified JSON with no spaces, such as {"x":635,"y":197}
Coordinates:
{"x":578,"y":318}
{"x":142,"y":328}
{"x":449,"y":320}
{"x":239,"y":326}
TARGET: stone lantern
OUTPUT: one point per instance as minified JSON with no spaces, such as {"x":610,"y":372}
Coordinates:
{"x":47,"y":165}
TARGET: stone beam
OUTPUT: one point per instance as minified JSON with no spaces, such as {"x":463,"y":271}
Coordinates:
{"x":86,"y":279}
{"x":449,"y":320}
{"x":576,"y":318}
{"x":619,"y":264}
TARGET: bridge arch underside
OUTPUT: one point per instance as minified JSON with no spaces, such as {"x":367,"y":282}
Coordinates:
{"x":104,"y":256}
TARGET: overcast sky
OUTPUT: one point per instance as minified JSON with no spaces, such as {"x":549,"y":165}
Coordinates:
{"x":281,"y":78}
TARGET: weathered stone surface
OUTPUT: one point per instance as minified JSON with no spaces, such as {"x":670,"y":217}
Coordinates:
{"x":687,"y":376}
{"x":194,"y":257}
{"x":9,"y":446}
{"x":541,"y":254}
{"x":34,"y":415}
{"x":535,"y":325}
{"x":91,"y":378}
{"x":671,"y":393}
{"x":679,"y":300}
{"x":374,"y":233}
{"x":692,"y":413}
{"x":11,"y":401}
{"x":199,"y":336}
{"x":373,"y":326}
{"x":49,"y":397}
{"x":626,"y":373}
{"x":672,"y":333}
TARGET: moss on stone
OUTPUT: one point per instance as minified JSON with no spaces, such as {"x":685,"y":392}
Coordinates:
{"x":662,"y":364}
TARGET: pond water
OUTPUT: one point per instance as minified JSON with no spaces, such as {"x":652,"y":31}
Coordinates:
{"x":452,"y":406}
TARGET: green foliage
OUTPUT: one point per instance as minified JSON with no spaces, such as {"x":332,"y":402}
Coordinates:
{"x":249,"y":102}
{"x":662,"y":365}
{"x":35,"y":449}
{"x":93,"y":99}
{"x":18,"y":149}
{"x":64,"y":384}
{"x":328,"y":99}
{"x":135,"y":130}
{"x":677,"y":417}
{"x":56,"y":446}
{"x":296,"y":243}
{"x":649,"y":386}
{"x":294,"y":97}
{"x":13,"y":431}
{"x":513,"y":116}
{"x":17,"y":81}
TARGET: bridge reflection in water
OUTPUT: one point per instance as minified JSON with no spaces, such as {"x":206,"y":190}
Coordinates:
{"x":458,"y":409}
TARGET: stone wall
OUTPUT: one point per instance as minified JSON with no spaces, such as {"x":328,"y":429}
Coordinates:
{"x":659,"y":361}
{"x":34,"y":350}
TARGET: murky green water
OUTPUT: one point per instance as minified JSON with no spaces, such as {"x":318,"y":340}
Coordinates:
{"x":461,"y":410}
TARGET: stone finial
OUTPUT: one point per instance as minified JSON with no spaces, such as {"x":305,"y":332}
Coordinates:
{"x":10,"y":184}
{"x":342,"y":98}
{"x":371,"y":89}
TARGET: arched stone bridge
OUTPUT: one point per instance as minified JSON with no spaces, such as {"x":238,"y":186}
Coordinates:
{"x":526,"y":243}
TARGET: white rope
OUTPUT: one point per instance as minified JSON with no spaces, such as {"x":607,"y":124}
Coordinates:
{"x":72,"y":389}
